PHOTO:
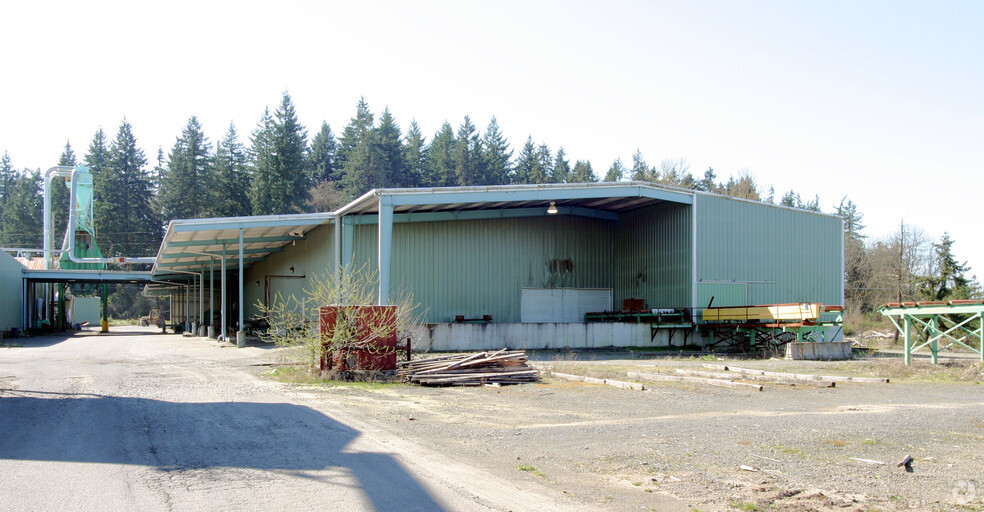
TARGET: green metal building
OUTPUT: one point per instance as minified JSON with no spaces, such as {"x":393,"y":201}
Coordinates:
{"x":533,"y":258}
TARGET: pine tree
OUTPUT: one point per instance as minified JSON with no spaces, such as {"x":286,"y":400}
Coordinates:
{"x":467,"y":156}
{"x":743,"y":187}
{"x":440,"y":159}
{"x":68,"y":156}
{"x":543,"y":169}
{"x":323,"y":149}
{"x":414,"y":156}
{"x":526,"y":163}
{"x":124,"y":216}
{"x":389,"y":153}
{"x":20,"y":222}
{"x":496,"y":155}
{"x":616,"y":171}
{"x":709,"y":182}
{"x":357,"y":157}
{"x":583,"y":173}
{"x":561,"y":168}
{"x":232,"y":177}
{"x":640,"y":169}
{"x":8,"y":178}
{"x":280,"y":183}
{"x":188,"y":178}
{"x":857,"y":268}
{"x":948,"y":280}
{"x":97,"y":159}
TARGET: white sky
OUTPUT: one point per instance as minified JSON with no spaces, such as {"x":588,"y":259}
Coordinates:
{"x":878,"y":101}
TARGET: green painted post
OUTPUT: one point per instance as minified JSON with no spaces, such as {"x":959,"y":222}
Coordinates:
{"x":906,"y":341}
{"x":935,"y":333}
{"x":980,"y":336}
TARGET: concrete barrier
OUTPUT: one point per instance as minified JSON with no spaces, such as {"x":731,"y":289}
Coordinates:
{"x":819,"y":351}
{"x":539,"y":336}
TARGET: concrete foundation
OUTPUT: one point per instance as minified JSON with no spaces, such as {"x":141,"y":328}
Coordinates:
{"x":538,"y":336}
{"x":819,"y":351}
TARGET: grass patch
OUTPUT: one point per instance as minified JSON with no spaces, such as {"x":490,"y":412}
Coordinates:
{"x":598,"y":371}
{"x":528,"y":468}
{"x":786,"y":449}
{"x":871,"y":442}
{"x":836,"y":442}
{"x":299,"y":374}
{"x":747,"y":506}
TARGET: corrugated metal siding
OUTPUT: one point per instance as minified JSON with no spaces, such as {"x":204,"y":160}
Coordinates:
{"x":310,"y":257}
{"x":11,"y":302}
{"x":476,"y":268}
{"x":652,"y":256}
{"x":783,"y":255}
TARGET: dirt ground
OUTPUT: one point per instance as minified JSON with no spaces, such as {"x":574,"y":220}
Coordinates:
{"x":692,"y":447}
{"x":162,"y":422}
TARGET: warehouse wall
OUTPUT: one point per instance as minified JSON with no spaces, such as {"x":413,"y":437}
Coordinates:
{"x":11,"y":307}
{"x":652,"y":256}
{"x":479,"y":267}
{"x":752,"y":253}
{"x":311,"y":258}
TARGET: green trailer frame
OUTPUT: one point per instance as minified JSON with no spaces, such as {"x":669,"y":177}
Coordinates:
{"x":938,"y":325}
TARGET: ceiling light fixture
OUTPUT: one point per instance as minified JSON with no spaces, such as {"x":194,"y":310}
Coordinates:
{"x":552,"y":209}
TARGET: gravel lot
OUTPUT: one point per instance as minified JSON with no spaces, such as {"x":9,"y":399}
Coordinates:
{"x":682,"y":447}
{"x":548,"y":446}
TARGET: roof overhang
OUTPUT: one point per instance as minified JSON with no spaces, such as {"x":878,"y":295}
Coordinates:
{"x":600,"y":200}
{"x":194,"y":244}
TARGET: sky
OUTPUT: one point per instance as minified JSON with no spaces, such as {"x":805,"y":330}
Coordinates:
{"x":879,"y":102}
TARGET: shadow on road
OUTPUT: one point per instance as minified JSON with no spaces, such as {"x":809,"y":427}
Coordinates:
{"x":174,"y":436}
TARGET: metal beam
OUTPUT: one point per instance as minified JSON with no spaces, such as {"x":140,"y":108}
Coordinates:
{"x":175,"y":264}
{"x":221,"y":241}
{"x":66,"y":276}
{"x":508,"y":213}
{"x":280,"y":221}
{"x":538,"y":194}
{"x":254,"y":250}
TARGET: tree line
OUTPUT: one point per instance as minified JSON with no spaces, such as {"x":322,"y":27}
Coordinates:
{"x":278,"y":170}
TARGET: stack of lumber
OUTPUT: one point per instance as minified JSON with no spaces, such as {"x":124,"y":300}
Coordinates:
{"x":482,"y":368}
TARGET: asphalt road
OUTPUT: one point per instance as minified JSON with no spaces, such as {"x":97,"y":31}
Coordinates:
{"x":142,"y":421}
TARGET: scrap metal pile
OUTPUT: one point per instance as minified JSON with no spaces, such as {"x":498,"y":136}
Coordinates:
{"x":483,"y":368}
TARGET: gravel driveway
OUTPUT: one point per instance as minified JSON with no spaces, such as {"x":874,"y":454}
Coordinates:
{"x":556,"y":445}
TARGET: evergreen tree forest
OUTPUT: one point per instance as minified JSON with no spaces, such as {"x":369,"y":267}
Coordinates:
{"x":277,"y":168}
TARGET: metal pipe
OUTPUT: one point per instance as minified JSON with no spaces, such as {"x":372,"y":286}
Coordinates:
{"x":59,"y":170}
{"x":71,"y":235}
{"x":25,"y":249}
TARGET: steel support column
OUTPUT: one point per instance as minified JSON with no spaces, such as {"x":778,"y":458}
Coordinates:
{"x":225,"y":328}
{"x":240,"y":334}
{"x":385,"y":246}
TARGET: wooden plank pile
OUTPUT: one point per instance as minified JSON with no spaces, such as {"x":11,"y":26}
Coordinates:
{"x":482,"y":368}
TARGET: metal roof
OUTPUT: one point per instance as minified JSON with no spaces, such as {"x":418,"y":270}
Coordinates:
{"x":191,"y":244}
{"x":614,"y":197}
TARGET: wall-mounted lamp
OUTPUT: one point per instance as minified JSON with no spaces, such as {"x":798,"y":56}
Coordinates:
{"x":257,"y":283}
{"x":292,"y":269}
{"x":552,"y":209}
